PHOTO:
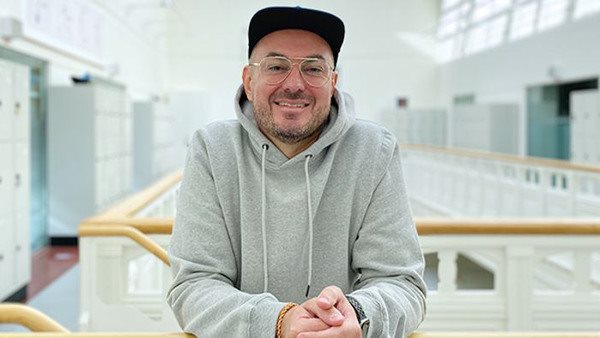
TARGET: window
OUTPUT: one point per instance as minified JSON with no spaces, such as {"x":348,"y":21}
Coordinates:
{"x":469,"y":26}
{"x":523,"y":23}
{"x":552,"y":13}
{"x":586,"y":7}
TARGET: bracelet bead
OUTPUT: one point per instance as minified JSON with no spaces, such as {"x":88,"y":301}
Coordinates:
{"x":282,"y":313}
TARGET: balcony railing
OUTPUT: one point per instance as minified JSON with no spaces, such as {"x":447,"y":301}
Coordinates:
{"x":460,"y":182}
{"x":44,"y":326}
{"x":533,"y":274}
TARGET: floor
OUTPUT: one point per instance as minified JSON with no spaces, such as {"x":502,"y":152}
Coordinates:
{"x":54,"y":287}
{"x":48,"y":264}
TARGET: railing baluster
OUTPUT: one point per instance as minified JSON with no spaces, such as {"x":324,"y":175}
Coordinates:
{"x":582,"y":271}
{"x":519,"y":287}
{"x":447,"y":271}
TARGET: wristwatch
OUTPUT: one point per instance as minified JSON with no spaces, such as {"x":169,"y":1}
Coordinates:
{"x":363,"y":321}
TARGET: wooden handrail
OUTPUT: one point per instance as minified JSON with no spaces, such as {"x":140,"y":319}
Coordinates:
{"x":28,"y":317}
{"x":480,"y":154}
{"x":508,"y":226}
{"x":425,"y":225}
{"x":97,"y":335}
{"x":136,"y":235}
{"x":147,"y":225}
{"x":505,"y":335}
{"x":414,"y":335}
{"x":133,"y":204}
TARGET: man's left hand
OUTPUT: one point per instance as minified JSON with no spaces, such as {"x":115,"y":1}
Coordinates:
{"x":329,"y":301}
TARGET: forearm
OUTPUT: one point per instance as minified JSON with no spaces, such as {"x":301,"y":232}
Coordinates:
{"x":208,"y":306}
{"x":394,"y":308}
{"x":388,"y":256}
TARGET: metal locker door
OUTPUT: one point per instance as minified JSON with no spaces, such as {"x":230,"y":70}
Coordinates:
{"x":21,"y":177}
{"x":6,"y":263}
{"x":6,"y":101}
{"x":21,"y":103}
{"x":6,"y":179}
{"x":22,"y":251}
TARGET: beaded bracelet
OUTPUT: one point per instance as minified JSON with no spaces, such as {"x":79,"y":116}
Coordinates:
{"x":282,"y":313}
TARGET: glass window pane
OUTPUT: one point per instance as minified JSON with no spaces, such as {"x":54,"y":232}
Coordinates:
{"x":450,"y":3}
{"x":552,"y":13}
{"x":496,"y":31}
{"x":523,"y":20}
{"x":586,"y":7}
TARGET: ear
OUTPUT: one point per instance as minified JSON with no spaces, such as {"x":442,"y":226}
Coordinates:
{"x":247,"y":81}
{"x":334,"y":78}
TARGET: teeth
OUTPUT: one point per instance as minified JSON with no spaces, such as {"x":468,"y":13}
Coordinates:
{"x":291,"y":105}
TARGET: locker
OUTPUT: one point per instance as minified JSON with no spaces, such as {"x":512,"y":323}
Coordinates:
{"x":95,"y":111}
{"x":6,"y":262}
{"x":585,"y":112}
{"x":6,"y":101}
{"x":21,"y":176}
{"x":21,"y":103}
{"x":14,"y":177}
{"x":6,"y":179}
{"x":22,"y":251}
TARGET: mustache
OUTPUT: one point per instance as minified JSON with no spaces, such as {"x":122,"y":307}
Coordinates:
{"x":293,"y":96}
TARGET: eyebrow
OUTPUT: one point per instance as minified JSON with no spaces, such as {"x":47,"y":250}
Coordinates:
{"x":313,"y":56}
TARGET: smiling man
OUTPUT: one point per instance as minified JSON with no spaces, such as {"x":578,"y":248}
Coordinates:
{"x":293,"y":220}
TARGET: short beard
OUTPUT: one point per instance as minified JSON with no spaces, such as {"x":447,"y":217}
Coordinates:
{"x":265,"y":122}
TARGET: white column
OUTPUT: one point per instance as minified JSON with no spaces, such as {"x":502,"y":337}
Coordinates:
{"x":447,"y":271}
{"x":582,"y":272}
{"x":519,"y":287}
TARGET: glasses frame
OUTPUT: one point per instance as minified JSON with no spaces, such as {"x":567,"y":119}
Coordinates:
{"x":301,"y":60}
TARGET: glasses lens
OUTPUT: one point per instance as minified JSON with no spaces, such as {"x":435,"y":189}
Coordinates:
{"x":275,"y":69}
{"x":315,"y":71}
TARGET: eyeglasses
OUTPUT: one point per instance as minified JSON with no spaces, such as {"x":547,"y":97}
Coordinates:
{"x":275,"y":69}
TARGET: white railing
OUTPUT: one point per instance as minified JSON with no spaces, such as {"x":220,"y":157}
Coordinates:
{"x":531,"y":282}
{"x":163,"y":206}
{"x":474,"y":183}
{"x":123,"y":287}
{"x":483,"y":274}
{"x":44,"y":326}
{"x":124,"y":283}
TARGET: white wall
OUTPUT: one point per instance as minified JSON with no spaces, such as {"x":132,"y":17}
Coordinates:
{"x":140,"y":60}
{"x":503,"y":74}
{"x":375,"y":65}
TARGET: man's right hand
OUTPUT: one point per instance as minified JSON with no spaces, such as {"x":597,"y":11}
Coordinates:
{"x":298,"y":320}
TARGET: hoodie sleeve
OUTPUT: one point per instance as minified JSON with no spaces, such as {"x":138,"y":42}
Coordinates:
{"x":203,"y":295}
{"x":388,"y":256}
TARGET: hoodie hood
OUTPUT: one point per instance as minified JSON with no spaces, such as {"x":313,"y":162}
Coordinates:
{"x":341,"y":118}
{"x":339,"y":121}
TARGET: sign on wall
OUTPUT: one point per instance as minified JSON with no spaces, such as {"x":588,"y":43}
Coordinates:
{"x":75,"y":26}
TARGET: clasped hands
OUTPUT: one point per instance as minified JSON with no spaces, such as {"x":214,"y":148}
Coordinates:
{"x":327,"y":315}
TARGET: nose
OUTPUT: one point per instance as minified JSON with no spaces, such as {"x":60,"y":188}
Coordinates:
{"x":294,"y":82}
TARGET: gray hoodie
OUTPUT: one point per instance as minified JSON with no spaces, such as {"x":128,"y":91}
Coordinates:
{"x":254,"y":229}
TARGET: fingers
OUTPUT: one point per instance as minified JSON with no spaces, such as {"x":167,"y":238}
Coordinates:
{"x":318,"y":334}
{"x":344,"y":331}
{"x":312,"y":324}
{"x":324,"y":303}
{"x":299,"y":320}
{"x":349,"y":329}
{"x":333,"y":296}
{"x":329,"y":297}
{"x":331,"y":316}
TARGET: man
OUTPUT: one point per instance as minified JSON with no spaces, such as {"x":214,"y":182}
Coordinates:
{"x":295,"y":202}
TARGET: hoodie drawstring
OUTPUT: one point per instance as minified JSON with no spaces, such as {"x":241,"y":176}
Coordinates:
{"x":310,"y":225}
{"x":264,"y":223}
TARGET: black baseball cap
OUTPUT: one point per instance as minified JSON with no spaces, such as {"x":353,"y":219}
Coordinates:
{"x":271,"y":19}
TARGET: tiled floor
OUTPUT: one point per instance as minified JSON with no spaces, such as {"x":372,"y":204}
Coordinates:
{"x":48,"y":264}
{"x":54,"y":287}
